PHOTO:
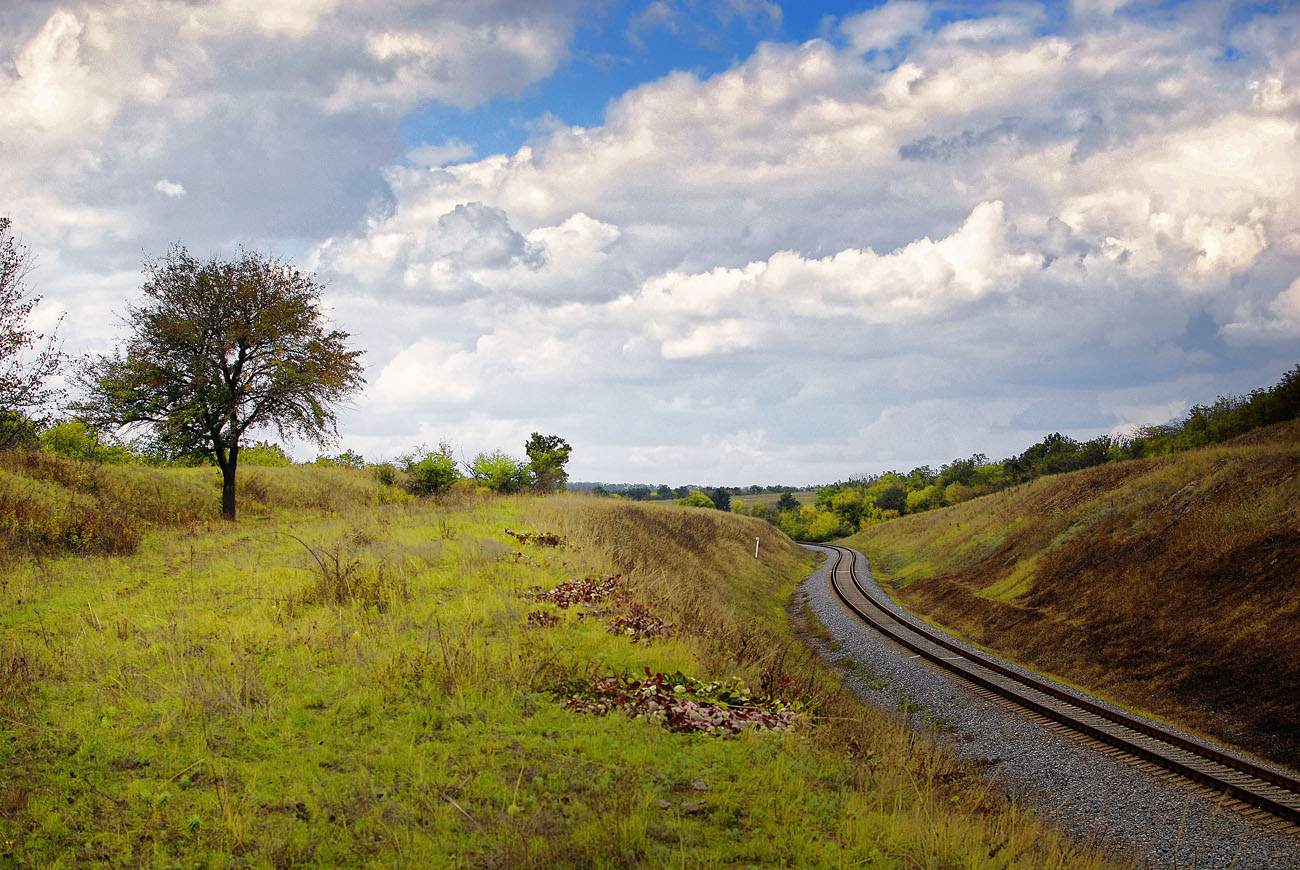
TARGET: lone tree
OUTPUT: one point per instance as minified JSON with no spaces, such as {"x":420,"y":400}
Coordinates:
{"x":217,"y":349}
{"x":547,"y":456}
{"x":27,"y":359}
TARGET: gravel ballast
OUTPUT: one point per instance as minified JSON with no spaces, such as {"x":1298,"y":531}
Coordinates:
{"x":1098,"y":799}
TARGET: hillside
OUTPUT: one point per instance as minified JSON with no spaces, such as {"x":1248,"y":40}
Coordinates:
{"x":353,"y":677}
{"x":1170,"y":585}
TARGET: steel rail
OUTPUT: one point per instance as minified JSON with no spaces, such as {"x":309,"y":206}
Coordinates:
{"x":1288,"y":809}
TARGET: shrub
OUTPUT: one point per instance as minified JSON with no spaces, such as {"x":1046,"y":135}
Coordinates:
{"x":696,"y":499}
{"x":499,"y":472}
{"x":430,"y":472}
{"x":77,"y":439}
{"x":266,"y":454}
{"x":385,"y":473}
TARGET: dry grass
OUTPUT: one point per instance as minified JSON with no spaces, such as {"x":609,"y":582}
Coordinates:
{"x":1170,"y":584}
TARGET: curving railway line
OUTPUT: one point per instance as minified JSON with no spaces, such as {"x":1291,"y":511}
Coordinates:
{"x":1267,"y":791}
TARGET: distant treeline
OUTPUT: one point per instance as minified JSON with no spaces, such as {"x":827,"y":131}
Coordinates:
{"x":720,"y":496}
{"x":845,"y":507}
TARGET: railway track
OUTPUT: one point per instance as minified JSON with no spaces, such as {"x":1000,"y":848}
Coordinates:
{"x":1267,"y":791}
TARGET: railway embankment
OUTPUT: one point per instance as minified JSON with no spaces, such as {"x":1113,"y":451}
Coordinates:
{"x":1167,"y":585}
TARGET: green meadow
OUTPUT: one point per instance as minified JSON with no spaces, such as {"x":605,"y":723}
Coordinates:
{"x":349,"y":676}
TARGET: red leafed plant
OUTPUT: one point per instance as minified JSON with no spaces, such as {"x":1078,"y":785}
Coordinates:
{"x":591,"y":590}
{"x":541,"y":539}
{"x":640,"y":624}
{"x":542,"y":619}
{"x":682,"y":703}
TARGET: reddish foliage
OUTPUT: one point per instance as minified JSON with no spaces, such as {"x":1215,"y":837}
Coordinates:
{"x":542,"y":619}
{"x":588,"y":591}
{"x":541,"y":539}
{"x":681,"y":703}
{"x":640,"y":623}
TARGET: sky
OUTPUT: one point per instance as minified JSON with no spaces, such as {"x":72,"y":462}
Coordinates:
{"x":705,"y":241}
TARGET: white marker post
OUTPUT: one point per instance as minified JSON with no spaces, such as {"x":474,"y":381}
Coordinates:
{"x":756,"y":548}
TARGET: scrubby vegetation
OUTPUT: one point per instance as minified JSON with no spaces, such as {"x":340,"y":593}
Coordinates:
{"x":1170,"y":584}
{"x":354,"y":676}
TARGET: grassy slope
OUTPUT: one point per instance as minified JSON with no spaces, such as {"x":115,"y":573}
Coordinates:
{"x":1171,"y":585}
{"x":221,"y":698}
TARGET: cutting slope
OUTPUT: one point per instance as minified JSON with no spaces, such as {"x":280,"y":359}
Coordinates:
{"x":1169,"y":585}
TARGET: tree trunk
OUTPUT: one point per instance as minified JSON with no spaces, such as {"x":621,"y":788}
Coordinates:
{"x":228,"y":487}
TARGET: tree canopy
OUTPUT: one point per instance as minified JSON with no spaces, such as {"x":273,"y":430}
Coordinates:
{"x":547,"y":456}
{"x":28,"y":359}
{"x":217,"y":349}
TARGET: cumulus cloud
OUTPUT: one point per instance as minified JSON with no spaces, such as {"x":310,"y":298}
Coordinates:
{"x":866,"y":248}
{"x":279,"y":114}
{"x":885,"y":26}
{"x":913,"y":239}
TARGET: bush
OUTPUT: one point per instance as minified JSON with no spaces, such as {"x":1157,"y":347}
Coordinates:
{"x":346,"y":459}
{"x":265,"y":454}
{"x":430,"y":472}
{"x":77,"y":439}
{"x":385,"y":473}
{"x":499,"y":472}
{"x":696,"y":499}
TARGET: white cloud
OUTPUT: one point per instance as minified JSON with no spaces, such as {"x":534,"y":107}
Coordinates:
{"x":251,"y":102}
{"x":796,"y":233}
{"x":169,"y":188}
{"x":885,"y":26}
{"x":916,"y":239}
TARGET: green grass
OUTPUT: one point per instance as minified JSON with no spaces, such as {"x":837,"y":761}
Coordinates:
{"x":340,"y":681}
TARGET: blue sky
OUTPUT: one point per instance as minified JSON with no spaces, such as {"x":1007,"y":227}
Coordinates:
{"x":707,"y":241}
{"x":622,"y":44}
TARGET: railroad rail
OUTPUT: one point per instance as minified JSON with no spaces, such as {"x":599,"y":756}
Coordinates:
{"x":1255,"y":785}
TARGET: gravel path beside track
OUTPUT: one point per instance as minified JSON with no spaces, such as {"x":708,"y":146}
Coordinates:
{"x":1097,"y":798}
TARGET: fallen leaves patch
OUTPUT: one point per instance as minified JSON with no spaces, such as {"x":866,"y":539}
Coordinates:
{"x":541,"y":539}
{"x":640,"y":624}
{"x":542,"y":619}
{"x":684,"y":704}
{"x":591,"y":590}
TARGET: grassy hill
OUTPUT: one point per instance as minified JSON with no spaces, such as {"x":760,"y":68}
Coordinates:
{"x":1171,"y":585}
{"x":352,"y":677}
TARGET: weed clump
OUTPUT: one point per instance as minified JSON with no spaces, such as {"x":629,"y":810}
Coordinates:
{"x":543,"y":619}
{"x":16,"y":676}
{"x":341,"y":574}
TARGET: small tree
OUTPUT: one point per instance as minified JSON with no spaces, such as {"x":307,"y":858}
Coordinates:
{"x":217,"y":349}
{"x":547,"y":456}
{"x":696,"y":499}
{"x":787,"y":502}
{"x":27,"y":359}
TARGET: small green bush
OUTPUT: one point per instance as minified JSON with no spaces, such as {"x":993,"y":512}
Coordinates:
{"x":265,"y":454}
{"x":430,"y":472}
{"x":77,"y":439}
{"x":499,"y":472}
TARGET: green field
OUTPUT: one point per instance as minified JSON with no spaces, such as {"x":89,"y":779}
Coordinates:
{"x":352,"y":677}
{"x":769,"y":499}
